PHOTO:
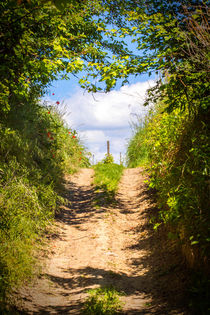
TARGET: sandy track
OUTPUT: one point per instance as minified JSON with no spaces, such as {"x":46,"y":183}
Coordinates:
{"x":108,"y":246}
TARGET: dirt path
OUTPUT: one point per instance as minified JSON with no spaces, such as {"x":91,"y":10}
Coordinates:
{"x":108,"y":246}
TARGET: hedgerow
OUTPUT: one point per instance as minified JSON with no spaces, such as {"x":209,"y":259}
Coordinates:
{"x":177,"y":150}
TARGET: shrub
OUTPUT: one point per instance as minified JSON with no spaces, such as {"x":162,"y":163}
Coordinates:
{"x":108,"y":159}
{"x":102,"y":301}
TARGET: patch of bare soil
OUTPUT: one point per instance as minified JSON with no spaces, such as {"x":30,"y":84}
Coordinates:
{"x":108,"y":246}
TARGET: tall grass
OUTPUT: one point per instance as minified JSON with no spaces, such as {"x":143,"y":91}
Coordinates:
{"x":36,"y":149}
{"x":137,"y":150}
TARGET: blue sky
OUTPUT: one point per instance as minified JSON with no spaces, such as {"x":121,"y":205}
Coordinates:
{"x":102,"y":116}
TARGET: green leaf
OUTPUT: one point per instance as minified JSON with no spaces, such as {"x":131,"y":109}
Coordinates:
{"x":194,"y":242}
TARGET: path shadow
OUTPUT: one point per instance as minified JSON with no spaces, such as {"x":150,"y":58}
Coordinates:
{"x":146,"y":195}
{"x":162,"y":299}
{"x":79,"y":207}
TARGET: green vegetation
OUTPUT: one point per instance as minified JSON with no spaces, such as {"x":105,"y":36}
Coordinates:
{"x":103,"y":301}
{"x":35,"y":151}
{"x":42,"y":41}
{"x":176,"y":147}
{"x":107,"y":176}
{"x":174,"y":139}
{"x":178,"y":153}
{"x":172,"y":39}
{"x":137,"y":151}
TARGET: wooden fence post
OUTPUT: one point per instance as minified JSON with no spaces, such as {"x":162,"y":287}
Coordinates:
{"x":108,"y":148}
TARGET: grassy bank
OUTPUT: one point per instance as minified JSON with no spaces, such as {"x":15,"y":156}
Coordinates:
{"x":36,"y":149}
{"x":177,"y":155}
{"x":176,"y":148}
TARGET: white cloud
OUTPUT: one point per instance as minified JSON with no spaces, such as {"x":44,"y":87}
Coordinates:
{"x":105,"y":117}
{"x":93,"y":136}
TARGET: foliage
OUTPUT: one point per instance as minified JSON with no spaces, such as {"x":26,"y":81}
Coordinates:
{"x":108,"y":159}
{"x":178,"y":152}
{"x":23,"y":217}
{"x":106,"y":179}
{"x":102,"y":301}
{"x":137,"y":150}
{"x":35,"y":151}
{"x":44,"y":40}
{"x":171,"y":38}
{"x":174,"y":139}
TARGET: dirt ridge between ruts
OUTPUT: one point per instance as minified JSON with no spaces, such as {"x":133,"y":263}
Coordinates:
{"x":111,"y":245}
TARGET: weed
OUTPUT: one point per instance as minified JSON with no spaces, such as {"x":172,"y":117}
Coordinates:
{"x":102,"y":301}
{"x":148,"y":304}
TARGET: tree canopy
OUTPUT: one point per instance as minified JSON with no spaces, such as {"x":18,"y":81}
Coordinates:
{"x":172,"y":39}
{"x":43,"y":40}
{"x":40,"y":40}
